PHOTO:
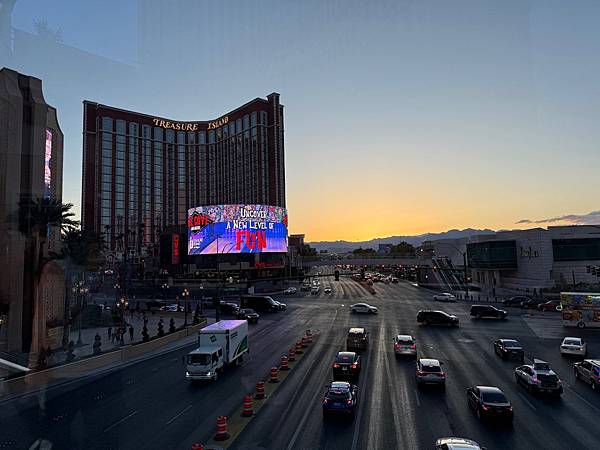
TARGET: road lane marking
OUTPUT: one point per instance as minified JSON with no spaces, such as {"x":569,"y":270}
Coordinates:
{"x":417,"y":397}
{"x":361,"y":407}
{"x":527,"y":402}
{"x":120,"y":421}
{"x":170,"y":421}
{"x":306,"y":413}
{"x":583,"y":399}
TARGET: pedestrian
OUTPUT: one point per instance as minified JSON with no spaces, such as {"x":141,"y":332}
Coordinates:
{"x":114,"y":336}
{"x":109,"y":333}
{"x":131,"y":332}
{"x":145,"y":320}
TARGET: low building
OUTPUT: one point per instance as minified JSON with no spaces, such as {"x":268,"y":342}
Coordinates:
{"x":528,"y":260}
{"x":32,"y":305}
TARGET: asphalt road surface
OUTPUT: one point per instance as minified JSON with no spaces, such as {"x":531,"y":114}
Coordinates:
{"x":150,"y":405}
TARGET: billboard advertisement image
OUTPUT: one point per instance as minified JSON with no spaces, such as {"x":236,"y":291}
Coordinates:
{"x":237,"y":229}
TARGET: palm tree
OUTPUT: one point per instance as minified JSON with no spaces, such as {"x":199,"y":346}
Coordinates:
{"x":36,"y":217}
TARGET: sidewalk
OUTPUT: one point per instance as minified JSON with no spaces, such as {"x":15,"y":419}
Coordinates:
{"x":108,"y":344}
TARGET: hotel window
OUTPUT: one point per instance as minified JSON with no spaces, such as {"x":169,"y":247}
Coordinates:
{"x":120,"y":126}
{"x":238,"y":126}
{"x":263,"y":117}
{"x":253,"y":122}
{"x":211,"y":136}
{"x":146,"y":179}
{"x":246,"y":122}
{"x":107,"y":124}
{"x":202,"y":137}
{"x":133,"y":172}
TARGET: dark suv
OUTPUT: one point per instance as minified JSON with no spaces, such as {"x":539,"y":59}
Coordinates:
{"x":488,"y":311}
{"x":346,"y":365}
{"x":428,"y":317}
{"x":357,"y":339}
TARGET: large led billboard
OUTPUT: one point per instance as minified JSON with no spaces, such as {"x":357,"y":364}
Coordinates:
{"x":237,"y":229}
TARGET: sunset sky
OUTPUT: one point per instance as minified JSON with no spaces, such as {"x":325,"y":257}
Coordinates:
{"x":401,"y":117}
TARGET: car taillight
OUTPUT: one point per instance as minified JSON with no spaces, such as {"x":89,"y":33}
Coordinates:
{"x":442,"y":374}
{"x":413,"y":346}
{"x":485,"y":408}
{"x":336,"y":366}
{"x":353,"y":366}
{"x":349,"y":402}
{"x":510,"y":408}
{"x":420,"y":373}
{"x":325,"y":400}
{"x":396,"y":346}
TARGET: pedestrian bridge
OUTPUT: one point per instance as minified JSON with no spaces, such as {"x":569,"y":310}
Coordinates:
{"x":404,"y":261}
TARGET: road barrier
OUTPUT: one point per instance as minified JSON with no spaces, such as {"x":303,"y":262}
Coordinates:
{"x":303,"y":342}
{"x":222,"y":433}
{"x":299,"y":348}
{"x":248,"y":410}
{"x":260,"y":390}
{"x":292,"y":354}
{"x":309,"y":336}
{"x":284,"y":363}
{"x":274,"y":375}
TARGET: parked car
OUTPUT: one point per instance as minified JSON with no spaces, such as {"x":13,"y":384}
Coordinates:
{"x":248,"y":314}
{"x":290,"y":290}
{"x":488,"y":311}
{"x":573,"y":346}
{"x":429,"y":371}
{"x":532,"y":303}
{"x":340,"y":398}
{"x":588,"y":370}
{"x":509,"y":348}
{"x":155,"y":305}
{"x":539,"y":378}
{"x":515,"y":301}
{"x":444,"y":297}
{"x":327,"y":290}
{"x":405,"y":344}
{"x":169,"y":308}
{"x":489,"y":402}
{"x":549,"y":305}
{"x":456,"y":443}
{"x":363,"y":308}
{"x":346,"y":365}
{"x":357,"y":339}
{"x":428,"y":317}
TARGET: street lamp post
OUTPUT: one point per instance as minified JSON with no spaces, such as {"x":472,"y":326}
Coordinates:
{"x":79,"y":290}
{"x":185,"y":294}
{"x":122,"y":305}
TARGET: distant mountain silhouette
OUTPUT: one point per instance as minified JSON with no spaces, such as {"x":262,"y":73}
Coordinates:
{"x":348,"y":246}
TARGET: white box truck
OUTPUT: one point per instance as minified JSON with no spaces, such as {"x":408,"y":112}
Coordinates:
{"x":219,"y":345}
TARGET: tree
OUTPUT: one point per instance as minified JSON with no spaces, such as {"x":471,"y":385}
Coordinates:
{"x":83,"y":248}
{"x":403,"y":248}
{"x":363,"y":251}
{"x":307,"y":250}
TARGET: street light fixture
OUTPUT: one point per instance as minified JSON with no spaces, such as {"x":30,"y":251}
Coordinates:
{"x":79,"y":290}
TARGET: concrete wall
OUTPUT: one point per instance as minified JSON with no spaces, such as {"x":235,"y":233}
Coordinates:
{"x":87,"y":366}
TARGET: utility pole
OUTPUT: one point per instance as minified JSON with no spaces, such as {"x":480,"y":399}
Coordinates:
{"x":465,"y":276}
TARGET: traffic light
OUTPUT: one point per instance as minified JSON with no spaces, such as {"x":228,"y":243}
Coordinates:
{"x":336,"y":275}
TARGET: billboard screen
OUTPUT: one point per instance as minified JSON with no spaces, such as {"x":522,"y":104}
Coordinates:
{"x":237,"y":229}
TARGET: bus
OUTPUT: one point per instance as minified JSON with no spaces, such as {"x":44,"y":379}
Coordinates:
{"x":580,"y":309}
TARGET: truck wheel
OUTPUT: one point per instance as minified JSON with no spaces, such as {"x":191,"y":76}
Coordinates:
{"x":581,"y":325}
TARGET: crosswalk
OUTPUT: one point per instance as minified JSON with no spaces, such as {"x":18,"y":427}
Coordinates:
{"x":546,"y":327}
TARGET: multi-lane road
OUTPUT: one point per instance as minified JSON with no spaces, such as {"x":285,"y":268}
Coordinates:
{"x":150,"y":405}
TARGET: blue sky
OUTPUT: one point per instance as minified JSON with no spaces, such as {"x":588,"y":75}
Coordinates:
{"x":427,"y":115}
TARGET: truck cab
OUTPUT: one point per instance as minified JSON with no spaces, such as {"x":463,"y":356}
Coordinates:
{"x":204,"y":363}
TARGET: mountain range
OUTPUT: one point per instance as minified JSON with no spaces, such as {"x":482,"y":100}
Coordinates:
{"x":348,"y":246}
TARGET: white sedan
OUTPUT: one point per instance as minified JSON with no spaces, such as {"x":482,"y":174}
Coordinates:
{"x":327,"y":290}
{"x":363,"y":308}
{"x":573,"y":346}
{"x":444,"y":297}
{"x":455,"y":443}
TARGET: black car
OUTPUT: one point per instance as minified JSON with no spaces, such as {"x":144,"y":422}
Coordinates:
{"x":489,"y":402}
{"x":346,"y":365}
{"x":488,"y":311}
{"x":155,"y":305}
{"x":340,"y":398}
{"x":533,"y":303}
{"x":259,"y":303}
{"x":509,"y":348}
{"x":229,"y":308}
{"x":248,"y":314}
{"x":282,"y":306}
{"x":515,"y":301}
{"x":428,"y":317}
